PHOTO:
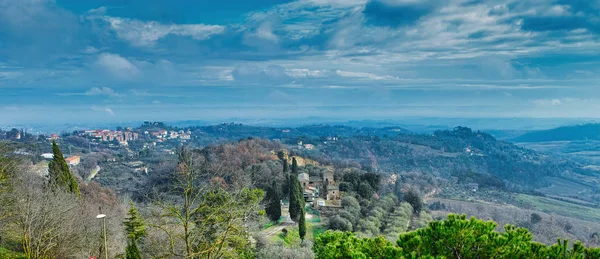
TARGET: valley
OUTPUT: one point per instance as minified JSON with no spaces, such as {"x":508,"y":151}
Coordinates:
{"x":375,"y":170}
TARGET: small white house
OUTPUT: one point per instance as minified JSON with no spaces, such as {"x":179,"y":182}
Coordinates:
{"x":48,"y":155}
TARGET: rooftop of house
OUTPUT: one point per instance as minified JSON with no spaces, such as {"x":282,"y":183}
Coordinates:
{"x":303,"y":176}
{"x":333,"y":188}
{"x":72,"y":158}
{"x":315,"y":179}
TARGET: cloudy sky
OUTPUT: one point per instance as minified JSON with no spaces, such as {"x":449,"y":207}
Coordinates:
{"x":120,"y":60}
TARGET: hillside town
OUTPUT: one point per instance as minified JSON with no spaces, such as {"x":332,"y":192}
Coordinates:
{"x":122,"y":137}
{"x":323,"y":191}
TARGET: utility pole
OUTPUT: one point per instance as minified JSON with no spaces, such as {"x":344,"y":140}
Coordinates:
{"x":103,"y":217}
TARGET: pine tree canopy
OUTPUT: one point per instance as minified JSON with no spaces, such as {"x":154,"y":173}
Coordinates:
{"x":455,"y":237}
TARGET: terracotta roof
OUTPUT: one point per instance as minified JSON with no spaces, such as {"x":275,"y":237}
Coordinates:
{"x":73,"y":158}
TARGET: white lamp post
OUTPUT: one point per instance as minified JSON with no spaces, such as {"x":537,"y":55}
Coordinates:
{"x":103,"y":217}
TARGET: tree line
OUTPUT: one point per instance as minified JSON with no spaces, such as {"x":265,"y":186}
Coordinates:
{"x":455,"y":237}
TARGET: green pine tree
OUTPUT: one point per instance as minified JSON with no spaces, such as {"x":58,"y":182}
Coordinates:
{"x":132,"y":251}
{"x":273,"y":202}
{"x":302,"y":224}
{"x":455,"y":237}
{"x":135,"y":229}
{"x":59,"y":173}
{"x":413,"y":198}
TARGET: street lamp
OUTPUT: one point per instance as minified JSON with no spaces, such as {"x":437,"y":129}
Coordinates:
{"x":103,"y":217}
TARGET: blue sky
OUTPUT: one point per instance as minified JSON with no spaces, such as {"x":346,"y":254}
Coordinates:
{"x":123,"y":60}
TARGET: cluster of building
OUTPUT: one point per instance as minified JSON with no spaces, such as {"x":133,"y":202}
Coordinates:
{"x":162,"y":135}
{"x":111,"y":135}
{"x":322,"y":191}
{"x":305,"y":146}
{"x":13,"y":134}
{"x":473,"y":151}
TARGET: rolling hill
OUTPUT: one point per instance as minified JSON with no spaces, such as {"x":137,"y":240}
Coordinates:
{"x":589,"y":131}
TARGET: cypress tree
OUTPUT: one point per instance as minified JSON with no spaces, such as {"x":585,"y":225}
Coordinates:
{"x":301,"y":204}
{"x":135,"y":229}
{"x":294,"y":166}
{"x":59,"y":173}
{"x":274,"y":202}
{"x":285,"y":165}
{"x":296,"y":194}
{"x":398,"y":190}
{"x":285,"y":188}
{"x":300,"y":195}
{"x":302,"y":225}
{"x":294,"y":207}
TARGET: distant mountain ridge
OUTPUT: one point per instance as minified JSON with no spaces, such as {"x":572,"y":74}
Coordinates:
{"x":590,"y":131}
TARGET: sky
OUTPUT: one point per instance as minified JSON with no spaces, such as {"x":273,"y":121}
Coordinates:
{"x":122,"y":60}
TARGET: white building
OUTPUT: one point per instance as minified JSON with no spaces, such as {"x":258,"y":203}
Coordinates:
{"x":48,"y":155}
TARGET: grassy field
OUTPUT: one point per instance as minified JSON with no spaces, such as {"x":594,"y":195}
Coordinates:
{"x":314,"y":227}
{"x":293,"y":238}
{"x":565,"y":188}
{"x":9,"y":254}
{"x":587,"y":150}
{"x":560,"y":207}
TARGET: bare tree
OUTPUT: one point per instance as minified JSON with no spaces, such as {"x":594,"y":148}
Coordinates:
{"x":47,"y":221}
{"x":57,"y":224}
{"x":203,"y":220}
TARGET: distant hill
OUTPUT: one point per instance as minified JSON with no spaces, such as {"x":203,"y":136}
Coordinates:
{"x":589,"y":131}
{"x":207,"y":135}
{"x":453,"y":153}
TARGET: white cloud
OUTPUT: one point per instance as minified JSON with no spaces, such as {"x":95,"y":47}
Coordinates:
{"x":144,"y":34}
{"x":107,"y":91}
{"x":272,"y":74}
{"x":364,"y":75}
{"x":137,"y":92}
{"x":546,"y":102}
{"x":117,"y":66}
{"x":9,"y":75}
{"x":107,"y":110}
{"x":98,"y":11}
{"x":305,"y":73}
{"x":557,"y":10}
{"x":90,"y":50}
{"x":339,"y":87}
{"x":265,"y":31}
{"x":337,"y":2}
